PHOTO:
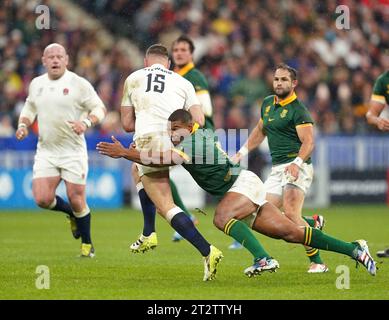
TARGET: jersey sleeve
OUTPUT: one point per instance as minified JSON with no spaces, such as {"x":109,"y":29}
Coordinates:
{"x":126,"y":98}
{"x":378,"y":91}
{"x":90,"y":99}
{"x":302,"y":116}
{"x":29,"y":109}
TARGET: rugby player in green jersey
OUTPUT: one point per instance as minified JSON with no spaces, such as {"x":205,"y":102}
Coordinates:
{"x":379,"y":99}
{"x":242,"y":195}
{"x":288,"y":126}
{"x":182,"y":55}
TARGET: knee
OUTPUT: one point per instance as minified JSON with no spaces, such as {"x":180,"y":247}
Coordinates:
{"x":291,"y":235}
{"x":135,"y":173}
{"x":293,"y":216}
{"x":219,"y":220}
{"x":43,"y":201}
{"x":76,"y":201}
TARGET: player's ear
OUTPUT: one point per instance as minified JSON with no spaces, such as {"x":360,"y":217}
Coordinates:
{"x":66,"y":60}
{"x":145,"y":62}
{"x":168,"y":64}
{"x":294,"y":83}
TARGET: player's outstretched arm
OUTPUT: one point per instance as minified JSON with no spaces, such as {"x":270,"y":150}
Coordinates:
{"x":256,"y":137}
{"x":153,"y":159}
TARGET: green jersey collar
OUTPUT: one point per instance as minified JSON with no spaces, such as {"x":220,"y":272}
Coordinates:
{"x":185,"y":69}
{"x":286,"y":101}
{"x":196,"y":126}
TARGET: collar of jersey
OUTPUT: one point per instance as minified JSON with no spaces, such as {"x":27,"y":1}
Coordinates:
{"x":286,"y":101}
{"x":196,"y":126}
{"x":185,"y":69}
{"x":157,"y":65}
{"x":63,"y":76}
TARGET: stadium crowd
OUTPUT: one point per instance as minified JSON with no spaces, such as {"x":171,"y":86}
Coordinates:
{"x":238,"y":44}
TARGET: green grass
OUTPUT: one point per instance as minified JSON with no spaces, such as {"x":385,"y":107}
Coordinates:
{"x":175,"y":270}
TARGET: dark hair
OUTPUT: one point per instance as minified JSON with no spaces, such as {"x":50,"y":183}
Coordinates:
{"x":184,"y":38}
{"x":181,"y":115}
{"x":158,"y":49}
{"x":292,"y":71}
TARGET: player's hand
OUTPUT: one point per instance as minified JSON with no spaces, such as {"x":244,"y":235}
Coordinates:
{"x":113,"y":150}
{"x":21,"y":133}
{"x":236,"y":158}
{"x":292,"y":172}
{"x":78,"y":127}
{"x":383,"y":124}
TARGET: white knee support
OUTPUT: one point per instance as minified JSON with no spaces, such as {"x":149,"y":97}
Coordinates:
{"x":172,"y":212}
{"x":53,"y":204}
{"x":83,"y":213}
{"x":139,"y":186}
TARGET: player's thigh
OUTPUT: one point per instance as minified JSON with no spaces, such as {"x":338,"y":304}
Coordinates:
{"x":135,"y":173}
{"x":293,"y":201}
{"x":77,"y":195}
{"x":304,"y":179}
{"x":272,"y":223}
{"x":274,"y":199}
{"x":249,"y":193}
{"x":233,"y":205}
{"x":157,"y":187}
{"x":43,"y":189}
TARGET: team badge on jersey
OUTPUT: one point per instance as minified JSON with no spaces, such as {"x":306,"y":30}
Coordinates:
{"x":283,"y":113}
{"x":65,"y":91}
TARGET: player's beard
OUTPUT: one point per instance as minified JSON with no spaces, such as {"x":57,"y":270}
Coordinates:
{"x":283,"y":93}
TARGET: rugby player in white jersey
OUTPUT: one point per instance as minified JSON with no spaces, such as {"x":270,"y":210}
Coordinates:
{"x":65,"y":106}
{"x":150,"y":95}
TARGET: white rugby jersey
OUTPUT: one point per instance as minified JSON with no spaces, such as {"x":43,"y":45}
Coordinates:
{"x":54,"y":103}
{"x":155,"y":93}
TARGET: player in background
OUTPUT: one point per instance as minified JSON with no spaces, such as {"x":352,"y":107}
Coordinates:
{"x":182,"y":54}
{"x":150,"y":95}
{"x":378,"y":101}
{"x":289,"y":128}
{"x":65,"y":106}
{"x":241,"y":194}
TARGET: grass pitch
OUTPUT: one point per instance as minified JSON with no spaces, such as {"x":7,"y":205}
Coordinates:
{"x":175,"y":270}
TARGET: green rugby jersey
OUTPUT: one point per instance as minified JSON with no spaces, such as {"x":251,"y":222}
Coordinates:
{"x":381,"y":89}
{"x":280,"y":120}
{"x":200,"y":84}
{"x":207,"y":162}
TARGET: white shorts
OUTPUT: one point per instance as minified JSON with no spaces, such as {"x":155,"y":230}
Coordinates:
{"x":154,"y":142}
{"x":73,"y":169}
{"x":251,"y":186}
{"x":277,"y":179}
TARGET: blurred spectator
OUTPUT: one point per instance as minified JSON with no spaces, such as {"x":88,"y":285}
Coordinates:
{"x":21,"y":45}
{"x":238,"y":44}
{"x":6,"y":128}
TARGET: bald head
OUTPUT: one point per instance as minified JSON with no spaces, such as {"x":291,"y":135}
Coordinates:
{"x":55,"y":60}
